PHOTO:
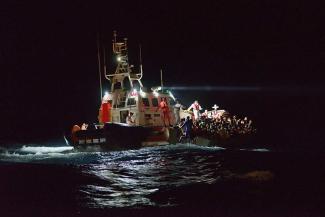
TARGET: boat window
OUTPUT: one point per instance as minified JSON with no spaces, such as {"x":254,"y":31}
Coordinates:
{"x":145,"y":102}
{"x":122,"y":99}
{"x":154,"y":102}
{"x":131,"y":101}
{"x":123,"y":116}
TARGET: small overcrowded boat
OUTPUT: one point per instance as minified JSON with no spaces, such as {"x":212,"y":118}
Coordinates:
{"x":133,"y":116}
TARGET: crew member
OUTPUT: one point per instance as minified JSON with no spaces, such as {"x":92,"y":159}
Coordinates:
{"x":163,"y":105}
{"x":130,"y":119}
{"x":196,"y":110}
{"x":106,"y":108}
{"x":75,"y":129}
{"x":177,"y":108}
{"x":188,"y":128}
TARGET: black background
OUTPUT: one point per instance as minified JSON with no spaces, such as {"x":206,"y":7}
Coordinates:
{"x":48,"y":54}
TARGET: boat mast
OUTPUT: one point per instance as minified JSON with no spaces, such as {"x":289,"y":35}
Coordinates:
{"x":105,"y":67}
{"x":140,"y":59}
{"x":123,"y":69}
{"x":161,"y":80}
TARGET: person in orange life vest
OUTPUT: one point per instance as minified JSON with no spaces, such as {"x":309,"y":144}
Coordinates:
{"x":165,"y":110}
{"x":196,"y":109}
{"x":106,"y":108}
{"x":75,"y":129}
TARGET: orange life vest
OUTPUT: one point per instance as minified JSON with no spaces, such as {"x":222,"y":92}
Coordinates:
{"x":164,"y":107}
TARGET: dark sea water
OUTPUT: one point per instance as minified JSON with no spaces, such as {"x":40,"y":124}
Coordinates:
{"x":181,"y":179}
{"x":282,"y":174}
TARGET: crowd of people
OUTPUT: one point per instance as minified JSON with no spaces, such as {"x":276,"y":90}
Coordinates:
{"x":215,"y":124}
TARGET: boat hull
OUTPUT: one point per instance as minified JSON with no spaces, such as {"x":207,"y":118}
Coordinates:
{"x":115,"y":136}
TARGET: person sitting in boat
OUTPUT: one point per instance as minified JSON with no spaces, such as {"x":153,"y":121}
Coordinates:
{"x":205,"y":114}
{"x":163,"y":106}
{"x":130,"y":119}
{"x":84,"y":126}
{"x":196,"y":110}
{"x":75,"y":129}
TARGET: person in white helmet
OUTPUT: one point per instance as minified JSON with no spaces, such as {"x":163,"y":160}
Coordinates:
{"x":196,"y":109}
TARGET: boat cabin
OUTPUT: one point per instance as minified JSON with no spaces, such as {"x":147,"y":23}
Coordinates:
{"x":143,"y":105}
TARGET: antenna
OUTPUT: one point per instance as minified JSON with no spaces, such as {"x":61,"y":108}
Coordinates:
{"x":161,"y":79}
{"x":105,"y":71}
{"x":99,"y":67}
{"x":114,"y":34}
{"x":140,"y":59}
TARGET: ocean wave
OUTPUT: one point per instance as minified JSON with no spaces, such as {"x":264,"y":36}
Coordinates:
{"x":47,"y":155}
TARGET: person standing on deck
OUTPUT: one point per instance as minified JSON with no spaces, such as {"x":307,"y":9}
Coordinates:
{"x":196,"y":110}
{"x":165,"y":110}
{"x":188,"y":129}
{"x":105,"y":109}
{"x":177,"y":108}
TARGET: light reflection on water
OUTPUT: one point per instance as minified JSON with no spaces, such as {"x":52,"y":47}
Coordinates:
{"x":130,"y":178}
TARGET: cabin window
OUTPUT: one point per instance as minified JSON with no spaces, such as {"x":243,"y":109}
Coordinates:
{"x":154,"y":102}
{"x":131,"y":101}
{"x":145,"y":102}
{"x":123,"y":116}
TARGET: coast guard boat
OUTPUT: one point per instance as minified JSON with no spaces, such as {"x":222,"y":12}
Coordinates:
{"x":130,"y":115}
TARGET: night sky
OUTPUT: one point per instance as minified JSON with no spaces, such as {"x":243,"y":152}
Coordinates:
{"x":48,"y":53}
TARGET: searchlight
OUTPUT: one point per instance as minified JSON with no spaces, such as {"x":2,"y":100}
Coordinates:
{"x":156,"y":89}
{"x":107,"y":97}
{"x":171,"y":95}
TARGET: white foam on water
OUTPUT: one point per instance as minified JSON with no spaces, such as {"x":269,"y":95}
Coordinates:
{"x":261,"y":149}
{"x":256,"y":149}
{"x":48,"y":153}
{"x":44,"y":149}
{"x":194,"y":146}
